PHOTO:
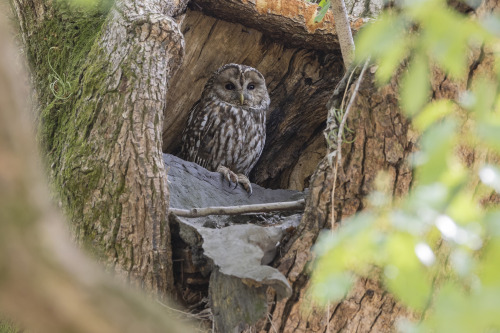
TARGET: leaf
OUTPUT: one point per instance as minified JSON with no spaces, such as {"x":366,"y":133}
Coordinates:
{"x":446,"y":36}
{"x":408,"y":271}
{"x":436,"y":152}
{"x":490,"y":133}
{"x":377,"y":39}
{"x":415,"y":85}
{"x":392,"y":58}
{"x":484,"y":98}
{"x":490,"y":175}
{"x":322,"y":3}
{"x":432,"y":113}
{"x":334,"y":288}
{"x":322,"y":12}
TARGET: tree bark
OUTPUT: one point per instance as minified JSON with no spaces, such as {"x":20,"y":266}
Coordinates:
{"x":382,"y":141}
{"x":104,"y":142}
{"x":47,"y":285}
{"x":287,"y":21}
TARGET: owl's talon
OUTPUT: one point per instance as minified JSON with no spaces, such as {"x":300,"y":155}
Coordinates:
{"x":245,"y":182}
{"x":228,"y":174}
{"x":235,"y":178}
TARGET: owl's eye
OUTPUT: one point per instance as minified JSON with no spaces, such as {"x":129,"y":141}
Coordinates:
{"x":230,"y":86}
{"x":251,"y":87}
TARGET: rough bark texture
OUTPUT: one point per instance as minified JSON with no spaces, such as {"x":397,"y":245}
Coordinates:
{"x":104,"y":141}
{"x":381,"y":142}
{"x":47,"y":285}
{"x":287,"y":21}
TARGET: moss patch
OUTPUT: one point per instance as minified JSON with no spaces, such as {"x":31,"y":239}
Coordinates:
{"x":66,"y":82}
{"x":57,"y":51}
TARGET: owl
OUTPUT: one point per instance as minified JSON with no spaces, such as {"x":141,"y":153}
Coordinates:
{"x":226,"y":129}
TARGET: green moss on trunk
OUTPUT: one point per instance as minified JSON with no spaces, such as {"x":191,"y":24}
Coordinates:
{"x":57,"y":52}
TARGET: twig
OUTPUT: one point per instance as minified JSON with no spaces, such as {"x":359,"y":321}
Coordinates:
{"x":271,"y":322}
{"x":344,"y":33}
{"x":236,"y":210}
{"x":339,"y":140}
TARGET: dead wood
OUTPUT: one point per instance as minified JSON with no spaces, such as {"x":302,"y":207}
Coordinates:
{"x":238,"y":210}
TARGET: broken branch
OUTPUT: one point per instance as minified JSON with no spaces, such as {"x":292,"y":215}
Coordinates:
{"x":243,"y":209}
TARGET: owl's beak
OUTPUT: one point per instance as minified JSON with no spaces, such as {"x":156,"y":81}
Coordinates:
{"x":242,"y":98}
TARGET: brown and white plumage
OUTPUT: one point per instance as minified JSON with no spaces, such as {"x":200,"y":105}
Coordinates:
{"x":226,"y":127}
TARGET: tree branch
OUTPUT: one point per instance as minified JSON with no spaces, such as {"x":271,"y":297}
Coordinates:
{"x":343,"y":28}
{"x":291,"y":21}
{"x":236,"y":210}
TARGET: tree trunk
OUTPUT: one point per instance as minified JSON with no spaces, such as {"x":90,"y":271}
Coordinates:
{"x":104,"y":140}
{"x":382,"y":141}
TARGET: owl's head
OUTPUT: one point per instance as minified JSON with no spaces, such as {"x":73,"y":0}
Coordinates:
{"x":238,"y":85}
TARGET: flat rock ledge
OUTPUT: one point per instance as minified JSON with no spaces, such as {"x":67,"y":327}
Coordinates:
{"x":234,"y":250}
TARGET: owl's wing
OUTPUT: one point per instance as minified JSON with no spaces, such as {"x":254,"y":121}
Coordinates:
{"x":199,"y":134}
{"x":190,"y":135}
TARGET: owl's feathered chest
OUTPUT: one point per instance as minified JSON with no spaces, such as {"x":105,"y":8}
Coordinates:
{"x":219,"y":133}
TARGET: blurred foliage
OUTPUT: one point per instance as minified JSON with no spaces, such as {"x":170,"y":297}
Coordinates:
{"x":88,"y":5}
{"x":8,"y":327}
{"x":437,"y":250}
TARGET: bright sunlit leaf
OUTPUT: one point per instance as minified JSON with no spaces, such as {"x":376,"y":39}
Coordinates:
{"x":425,"y":254}
{"x":437,"y":147}
{"x":325,"y":5}
{"x":415,"y":85}
{"x":490,"y":175}
{"x":410,"y":271}
{"x":432,"y":112}
{"x":379,"y":38}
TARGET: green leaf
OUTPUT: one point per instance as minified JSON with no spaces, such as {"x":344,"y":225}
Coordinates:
{"x":483,"y":98}
{"x":407,"y":271}
{"x":391,"y":60}
{"x":458,"y":311}
{"x":380,"y":38}
{"x":431,"y":113}
{"x":490,"y":133}
{"x":323,"y":3}
{"x":415,"y":85}
{"x":322,"y":12}
{"x":490,"y":175}
{"x":436,"y":153}
{"x":446,"y":35}
{"x":333,"y":288}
